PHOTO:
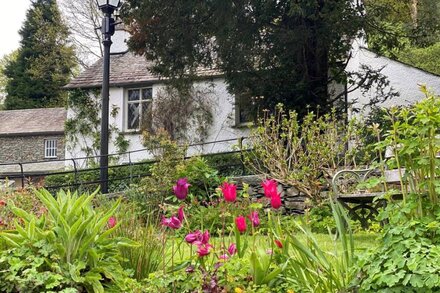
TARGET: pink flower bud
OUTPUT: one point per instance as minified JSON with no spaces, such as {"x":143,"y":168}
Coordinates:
{"x":232,"y":249}
{"x":204,"y":249}
{"x":229,"y":191}
{"x":111,"y":222}
{"x":275,"y":201}
{"x":253,"y":217}
{"x":181,"y":188}
{"x":270,"y":187}
{"x":181,"y":214}
{"x":240,"y":222}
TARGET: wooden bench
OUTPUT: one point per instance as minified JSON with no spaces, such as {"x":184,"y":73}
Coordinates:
{"x":362,"y":205}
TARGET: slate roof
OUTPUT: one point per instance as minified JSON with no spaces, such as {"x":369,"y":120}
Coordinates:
{"x":32,"y":121}
{"x":125,"y":69}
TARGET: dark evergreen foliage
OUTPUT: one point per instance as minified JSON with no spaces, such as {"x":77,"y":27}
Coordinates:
{"x":45,"y":60}
{"x":285,"y":51}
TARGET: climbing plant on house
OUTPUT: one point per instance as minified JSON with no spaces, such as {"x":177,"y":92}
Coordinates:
{"x":82,"y":128}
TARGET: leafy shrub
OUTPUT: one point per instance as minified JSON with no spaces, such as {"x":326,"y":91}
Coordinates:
{"x":301,"y":153}
{"x":71,"y":246}
{"x":146,"y":257}
{"x":407,"y":257}
{"x":24,"y":199}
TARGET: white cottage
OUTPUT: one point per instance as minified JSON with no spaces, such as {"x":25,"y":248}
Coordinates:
{"x":133,"y":89}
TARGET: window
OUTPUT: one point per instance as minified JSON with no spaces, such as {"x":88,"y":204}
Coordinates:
{"x":50,"y":148}
{"x":138,"y":113}
{"x":246,"y":109}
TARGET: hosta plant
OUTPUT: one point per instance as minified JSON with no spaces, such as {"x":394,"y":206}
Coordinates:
{"x":69,"y":247}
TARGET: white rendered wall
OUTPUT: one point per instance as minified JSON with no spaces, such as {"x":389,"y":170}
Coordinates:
{"x":403,"y":78}
{"x":222,"y":127}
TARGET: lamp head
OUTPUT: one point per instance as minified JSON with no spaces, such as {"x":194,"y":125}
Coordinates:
{"x":108,"y":6}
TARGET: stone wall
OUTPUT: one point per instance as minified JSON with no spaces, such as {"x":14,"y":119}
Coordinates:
{"x":27,"y":148}
{"x":292,"y":199}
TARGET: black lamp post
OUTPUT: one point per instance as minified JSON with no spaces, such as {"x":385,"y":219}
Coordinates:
{"x":108,"y":29}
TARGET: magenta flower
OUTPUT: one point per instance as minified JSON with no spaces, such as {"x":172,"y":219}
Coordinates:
{"x":205,"y":237}
{"x":181,"y":214}
{"x":240,"y":222}
{"x":232,"y":249}
{"x":275,"y":201}
{"x":278,"y":243}
{"x":203,"y":249}
{"x":253,"y":217}
{"x":111,"y":222}
{"x":193,"y":237}
{"x":181,"y":188}
{"x":173,"y":222}
{"x":270,"y":187}
{"x":224,"y":257}
{"x":229,"y":191}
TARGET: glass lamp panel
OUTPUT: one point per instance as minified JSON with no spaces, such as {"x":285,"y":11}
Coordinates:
{"x":114,"y":3}
{"x":101,"y":2}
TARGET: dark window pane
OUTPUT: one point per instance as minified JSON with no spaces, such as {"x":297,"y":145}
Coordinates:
{"x":133,"y":95}
{"x":133,"y":116}
{"x":147,"y":94}
{"x":246,"y":109}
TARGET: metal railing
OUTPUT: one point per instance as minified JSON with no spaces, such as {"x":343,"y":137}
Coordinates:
{"x":84,"y":171}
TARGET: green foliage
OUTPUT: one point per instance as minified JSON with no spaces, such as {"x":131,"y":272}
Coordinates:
{"x":300,"y":153}
{"x":282,"y":51}
{"x":83,"y":127}
{"x":311,"y":269}
{"x":425,"y":58}
{"x":407,"y":257}
{"x":72,"y":242}
{"x":145,"y":258}
{"x":44,"y":62}
{"x":405,"y":30}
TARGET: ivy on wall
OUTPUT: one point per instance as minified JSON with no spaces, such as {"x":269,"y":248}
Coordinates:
{"x":83,"y":126}
{"x":184,"y":111}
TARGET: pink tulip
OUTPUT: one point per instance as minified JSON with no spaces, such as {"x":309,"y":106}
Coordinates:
{"x":224,"y":257}
{"x":181,"y":188}
{"x":240,"y":222}
{"x":205,"y":237}
{"x":181,"y":214}
{"x":229,"y":191}
{"x":232,"y":249}
{"x":193,"y":237}
{"x":255,"y":220}
{"x":278,"y":243}
{"x":275,"y":201}
{"x":111,"y":222}
{"x":173,"y":222}
{"x":270,"y":187}
{"x":203,"y":249}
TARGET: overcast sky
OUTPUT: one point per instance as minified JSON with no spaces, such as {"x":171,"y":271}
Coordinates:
{"x":12,"y":15}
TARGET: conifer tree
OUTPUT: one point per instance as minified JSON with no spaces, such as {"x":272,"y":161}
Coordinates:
{"x":44,"y":62}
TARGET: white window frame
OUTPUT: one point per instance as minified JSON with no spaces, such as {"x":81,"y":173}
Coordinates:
{"x":50,"y":148}
{"x":141,"y":103}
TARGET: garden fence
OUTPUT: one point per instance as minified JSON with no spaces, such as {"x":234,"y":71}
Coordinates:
{"x":83,"y":172}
